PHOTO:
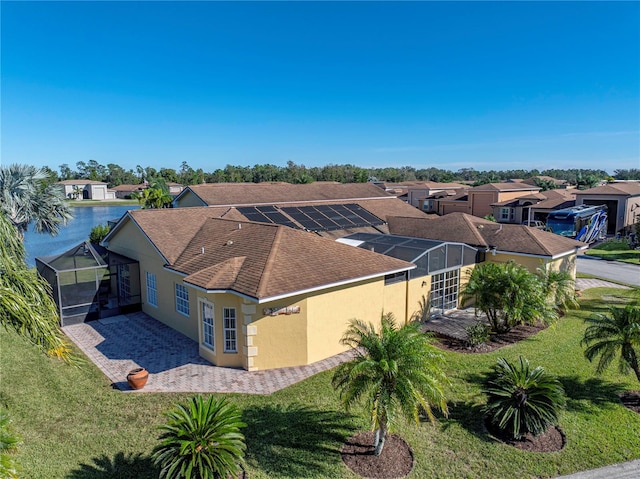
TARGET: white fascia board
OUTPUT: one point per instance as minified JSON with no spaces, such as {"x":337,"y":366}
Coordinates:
{"x":105,"y":241}
{"x":544,"y":256}
{"x":293,"y":293}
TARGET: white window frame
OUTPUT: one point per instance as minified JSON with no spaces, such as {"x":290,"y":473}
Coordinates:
{"x":182,"y":299}
{"x":505,"y":213}
{"x":152,"y":289}
{"x":208,"y":325}
{"x":230,"y":328}
{"x":445,"y":288}
{"x":124,"y":284}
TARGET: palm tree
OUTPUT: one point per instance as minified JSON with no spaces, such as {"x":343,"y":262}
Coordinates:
{"x":26,"y":304}
{"x":396,"y":369}
{"x":521,"y":400}
{"x":25,"y":196}
{"x":614,"y":335}
{"x":201,"y":440}
{"x":559,"y":288}
{"x":508,"y":294}
{"x":155,"y":196}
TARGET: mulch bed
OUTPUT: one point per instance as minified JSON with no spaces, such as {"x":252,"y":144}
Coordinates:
{"x":395,"y":461}
{"x":497,"y":341}
{"x":552,"y":440}
{"x":631,"y":399}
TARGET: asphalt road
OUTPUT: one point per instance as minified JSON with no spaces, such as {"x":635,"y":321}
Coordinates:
{"x":622,"y":272}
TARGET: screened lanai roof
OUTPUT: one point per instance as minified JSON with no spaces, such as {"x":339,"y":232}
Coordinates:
{"x":81,"y":256}
{"x":429,"y":256}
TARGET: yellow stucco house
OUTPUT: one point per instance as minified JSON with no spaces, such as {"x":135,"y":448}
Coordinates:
{"x":259,"y":296}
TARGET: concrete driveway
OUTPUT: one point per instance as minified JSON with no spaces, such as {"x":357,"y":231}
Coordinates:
{"x":615,"y":270}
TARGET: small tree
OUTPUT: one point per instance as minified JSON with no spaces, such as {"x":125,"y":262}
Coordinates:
{"x":201,"y":440}
{"x":521,"y":400}
{"x":396,"y":369}
{"x":612,"y":336}
{"x":508,"y":294}
{"x":98,"y":233}
{"x":559,"y":287}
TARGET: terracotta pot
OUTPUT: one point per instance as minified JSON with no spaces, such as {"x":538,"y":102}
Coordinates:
{"x":137,"y":378}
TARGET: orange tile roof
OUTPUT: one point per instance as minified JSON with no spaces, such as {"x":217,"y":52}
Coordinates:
{"x":255,"y":259}
{"x":464,"y":228}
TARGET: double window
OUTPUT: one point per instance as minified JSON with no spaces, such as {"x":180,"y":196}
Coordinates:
{"x":230,"y":330}
{"x":182,"y":299}
{"x":152,"y":289}
{"x":507,"y":214}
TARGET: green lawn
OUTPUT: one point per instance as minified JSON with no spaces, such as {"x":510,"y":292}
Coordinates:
{"x":628,"y":256}
{"x":75,"y":426}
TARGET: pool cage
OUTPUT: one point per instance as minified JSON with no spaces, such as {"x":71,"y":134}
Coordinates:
{"x":89,"y":282}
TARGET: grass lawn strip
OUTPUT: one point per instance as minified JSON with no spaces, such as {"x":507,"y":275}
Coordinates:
{"x":74,"y":425}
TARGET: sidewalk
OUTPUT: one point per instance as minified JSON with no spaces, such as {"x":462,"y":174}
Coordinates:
{"x":625,"y":470}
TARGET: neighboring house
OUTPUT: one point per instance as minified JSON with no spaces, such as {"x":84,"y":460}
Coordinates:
{"x":478,"y":201}
{"x":529,"y":247}
{"x":86,"y":190}
{"x":260,"y":296}
{"x":421,"y":194}
{"x":536,"y":206}
{"x":622,"y":200}
{"x":175,"y":188}
{"x":559,"y":184}
{"x":125,"y":191}
{"x":332,"y":210}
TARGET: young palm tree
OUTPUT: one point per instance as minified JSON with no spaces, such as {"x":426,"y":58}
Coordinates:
{"x":508,"y":294}
{"x":612,"y":336}
{"x":26,"y":197}
{"x":26,"y":304}
{"x":559,"y":287}
{"x":396,"y":369}
{"x":9,"y":442}
{"x":201,"y":440}
{"x":155,"y":196}
{"x":521,"y":400}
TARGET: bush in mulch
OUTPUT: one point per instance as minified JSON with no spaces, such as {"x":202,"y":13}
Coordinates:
{"x":552,"y":440}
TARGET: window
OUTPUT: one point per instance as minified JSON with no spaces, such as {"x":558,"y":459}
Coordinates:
{"x":182,"y":299}
{"x":208,"y":338}
{"x":230,"y":333}
{"x":504,"y":214}
{"x":395,"y":277}
{"x":152,"y":289}
{"x":124,"y":285}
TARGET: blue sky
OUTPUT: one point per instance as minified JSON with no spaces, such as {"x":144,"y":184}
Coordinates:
{"x":427,"y":84}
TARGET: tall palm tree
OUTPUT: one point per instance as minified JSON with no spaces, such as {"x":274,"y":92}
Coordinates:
{"x":508,"y":294}
{"x":201,"y":440}
{"x":612,"y":336}
{"x":26,"y":196}
{"x":396,"y":369}
{"x":26,"y":304}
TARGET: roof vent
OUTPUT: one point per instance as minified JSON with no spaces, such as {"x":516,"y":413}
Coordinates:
{"x":202,"y":250}
{"x":229,"y":243}
{"x":239,"y":226}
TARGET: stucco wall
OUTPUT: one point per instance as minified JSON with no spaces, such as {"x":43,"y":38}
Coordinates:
{"x":189,"y":199}
{"x":218,"y":356}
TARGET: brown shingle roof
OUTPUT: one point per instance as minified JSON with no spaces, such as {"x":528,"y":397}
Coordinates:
{"x":255,"y":259}
{"x":625,"y":189}
{"x":217,"y":194}
{"x":464,"y":228}
{"x":80,"y":182}
{"x":506,"y":187}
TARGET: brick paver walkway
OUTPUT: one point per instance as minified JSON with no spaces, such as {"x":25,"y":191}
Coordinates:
{"x":117,"y":345}
{"x":586,"y":283}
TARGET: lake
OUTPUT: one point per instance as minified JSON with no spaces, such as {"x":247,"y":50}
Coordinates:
{"x":76,"y":231}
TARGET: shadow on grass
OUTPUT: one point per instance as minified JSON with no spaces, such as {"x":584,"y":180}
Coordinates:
{"x":120,"y":467}
{"x":294,"y":440}
{"x":594,"y":393}
{"x":469,"y":416}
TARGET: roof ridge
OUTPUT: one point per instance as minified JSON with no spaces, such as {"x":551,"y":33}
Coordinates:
{"x":474,"y":229}
{"x":269,"y":264}
{"x":530,"y":231}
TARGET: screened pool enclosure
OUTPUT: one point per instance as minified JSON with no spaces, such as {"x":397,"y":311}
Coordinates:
{"x":88,"y":282}
{"x":438,"y":259}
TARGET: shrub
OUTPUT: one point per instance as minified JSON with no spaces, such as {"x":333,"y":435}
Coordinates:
{"x":521,"y":400}
{"x":98,"y":233}
{"x":9,"y":442}
{"x":201,"y":440}
{"x":613,"y":245}
{"x":478,"y":334}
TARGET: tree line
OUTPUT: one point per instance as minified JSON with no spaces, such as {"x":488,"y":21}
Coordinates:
{"x":115,"y":175}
